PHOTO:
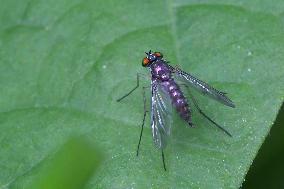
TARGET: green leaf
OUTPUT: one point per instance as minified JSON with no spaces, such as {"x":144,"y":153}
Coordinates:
{"x":64,"y":63}
{"x":70,"y":167}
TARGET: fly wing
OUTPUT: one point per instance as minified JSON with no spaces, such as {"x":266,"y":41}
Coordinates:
{"x":161,"y":114}
{"x":203,"y":87}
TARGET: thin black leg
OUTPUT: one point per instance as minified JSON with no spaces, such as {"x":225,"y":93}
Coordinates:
{"x":163,"y":158}
{"x":207,"y":117}
{"x":144,"y":117}
{"x":137,"y":85}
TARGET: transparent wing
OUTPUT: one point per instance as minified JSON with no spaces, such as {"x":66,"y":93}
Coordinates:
{"x":161,"y":114}
{"x":202,"y":87}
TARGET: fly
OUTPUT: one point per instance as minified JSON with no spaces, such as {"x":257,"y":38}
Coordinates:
{"x":166,"y":95}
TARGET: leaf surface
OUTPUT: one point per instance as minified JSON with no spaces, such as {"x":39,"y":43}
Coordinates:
{"x":64,"y":63}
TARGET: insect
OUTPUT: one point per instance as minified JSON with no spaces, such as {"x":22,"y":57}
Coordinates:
{"x":166,"y":94}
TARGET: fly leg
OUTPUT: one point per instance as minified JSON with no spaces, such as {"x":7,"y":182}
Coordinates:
{"x":163,"y":158}
{"x":143,"y":122}
{"x":203,"y":114}
{"x":127,"y":94}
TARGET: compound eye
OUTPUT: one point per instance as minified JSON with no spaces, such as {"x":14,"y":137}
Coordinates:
{"x":158,"y":54}
{"x":145,"y":61}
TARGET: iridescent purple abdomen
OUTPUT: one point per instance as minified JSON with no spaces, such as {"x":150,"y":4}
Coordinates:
{"x":178,"y":99}
{"x":163,"y":73}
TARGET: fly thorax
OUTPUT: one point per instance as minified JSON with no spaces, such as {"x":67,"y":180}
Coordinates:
{"x":161,"y":71}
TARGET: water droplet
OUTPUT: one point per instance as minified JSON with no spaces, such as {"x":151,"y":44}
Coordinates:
{"x":104,"y":66}
{"x":244,"y":120}
{"x":249,"y":53}
{"x":238,"y":46}
{"x":249,"y":70}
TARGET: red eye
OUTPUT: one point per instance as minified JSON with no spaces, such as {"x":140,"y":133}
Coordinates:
{"x":145,"y":61}
{"x":158,"y":54}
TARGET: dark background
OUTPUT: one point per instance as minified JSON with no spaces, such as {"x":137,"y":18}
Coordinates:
{"x":267,"y":170}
